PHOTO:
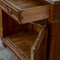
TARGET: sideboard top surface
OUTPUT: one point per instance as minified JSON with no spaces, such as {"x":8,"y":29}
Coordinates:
{"x":23,"y":3}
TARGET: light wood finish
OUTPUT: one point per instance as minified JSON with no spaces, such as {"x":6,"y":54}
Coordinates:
{"x":24,"y":11}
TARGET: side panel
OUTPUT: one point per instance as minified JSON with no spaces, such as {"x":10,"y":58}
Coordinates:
{"x":41,"y":48}
{"x":55,"y":41}
{"x":1,"y":27}
{"x":54,"y":11}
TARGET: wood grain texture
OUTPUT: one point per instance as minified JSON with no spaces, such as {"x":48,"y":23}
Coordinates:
{"x":1,"y":25}
{"x":34,"y":14}
{"x":25,"y":11}
{"x":21,"y":4}
{"x":40,"y":49}
{"x":55,"y":41}
{"x":54,"y":19}
{"x":21,"y":43}
{"x":54,"y":12}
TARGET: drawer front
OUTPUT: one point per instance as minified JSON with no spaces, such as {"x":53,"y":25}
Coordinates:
{"x":14,"y":13}
{"x":34,"y":14}
{"x":24,"y":12}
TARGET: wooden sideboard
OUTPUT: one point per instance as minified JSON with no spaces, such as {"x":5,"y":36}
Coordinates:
{"x":25,"y":28}
{"x":24,"y":21}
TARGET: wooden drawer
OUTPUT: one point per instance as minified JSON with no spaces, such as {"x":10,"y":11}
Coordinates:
{"x":24,"y":11}
{"x":10,"y":10}
{"x":29,"y":43}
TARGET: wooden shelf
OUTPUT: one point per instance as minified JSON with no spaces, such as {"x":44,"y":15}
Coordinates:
{"x":25,"y":42}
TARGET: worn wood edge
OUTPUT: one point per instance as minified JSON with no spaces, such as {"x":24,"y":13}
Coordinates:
{"x":43,"y":15}
{"x":50,"y":18}
{"x":34,"y":13}
{"x":35,"y":26}
{"x":8,"y":42}
{"x":11,"y":5}
{"x":1,"y":25}
{"x":39,"y":39}
{"x":13,"y":47}
{"x":14,"y":17}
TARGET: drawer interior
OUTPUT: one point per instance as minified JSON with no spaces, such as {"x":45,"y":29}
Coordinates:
{"x":25,"y":39}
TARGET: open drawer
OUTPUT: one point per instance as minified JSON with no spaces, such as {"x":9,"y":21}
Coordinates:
{"x":24,"y":11}
{"x":29,"y":43}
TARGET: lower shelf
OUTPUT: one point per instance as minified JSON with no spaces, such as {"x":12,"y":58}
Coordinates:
{"x":25,"y":44}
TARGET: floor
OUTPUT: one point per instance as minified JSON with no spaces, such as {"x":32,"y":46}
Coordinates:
{"x":5,"y":53}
